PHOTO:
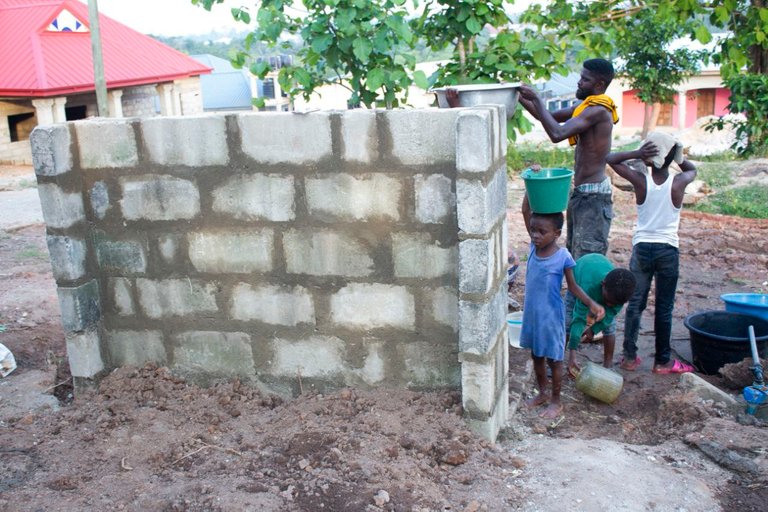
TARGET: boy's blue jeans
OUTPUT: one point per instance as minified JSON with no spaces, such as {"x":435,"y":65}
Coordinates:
{"x":649,"y":261}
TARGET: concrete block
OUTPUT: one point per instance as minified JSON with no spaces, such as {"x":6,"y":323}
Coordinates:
{"x":705,"y":390}
{"x":445,"y":306}
{"x":417,"y":255}
{"x":176,"y":297}
{"x":281,"y":138}
{"x":371,"y":306}
{"x":239,"y":252}
{"x":67,"y":257}
{"x":326,"y":253}
{"x":136,"y":348}
{"x":374,"y":369}
{"x":478,"y":206}
{"x":474,"y":140}
{"x":431,"y":365}
{"x":435,"y":201}
{"x":191,"y":141}
{"x":122,"y":295}
{"x":478,"y":387}
{"x":106,"y":143}
{"x":127,"y":256}
{"x":358,"y":135}
{"x":218,"y":353}
{"x":489,"y":427}
{"x":168,"y":245}
{"x":260,"y":196}
{"x":276,"y":305}
{"x":481,"y":322}
{"x":315,"y":356}
{"x":84,"y":353}
{"x":51,"y":149}
{"x":156,"y":197}
{"x":100,"y":199}
{"x":424,"y":136}
{"x":60,"y":209}
{"x":374,"y":196}
{"x":80,"y":306}
{"x":477,"y":265}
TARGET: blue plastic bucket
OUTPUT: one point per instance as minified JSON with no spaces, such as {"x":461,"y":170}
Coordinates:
{"x":755,"y":304}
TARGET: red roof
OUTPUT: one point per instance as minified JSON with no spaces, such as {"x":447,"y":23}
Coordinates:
{"x":38,"y":62}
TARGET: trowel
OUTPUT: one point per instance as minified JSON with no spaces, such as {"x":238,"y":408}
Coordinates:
{"x":756,"y":394}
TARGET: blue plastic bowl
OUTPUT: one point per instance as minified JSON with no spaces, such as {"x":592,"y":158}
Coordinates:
{"x":755,"y":304}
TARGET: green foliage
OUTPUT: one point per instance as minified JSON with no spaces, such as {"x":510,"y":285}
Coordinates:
{"x":750,"y":201}
{"x":522,"y":156}
{"x":31,"y":253}
{"x":650,"y":65}
{"x":744,"y":43}
{"x":749,"y":94}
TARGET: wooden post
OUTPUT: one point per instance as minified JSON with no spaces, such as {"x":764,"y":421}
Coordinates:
{"x":100,"y":82}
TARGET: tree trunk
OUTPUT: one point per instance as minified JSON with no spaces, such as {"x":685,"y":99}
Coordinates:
{"x":650,"y":118}
{"x":462,"y":57}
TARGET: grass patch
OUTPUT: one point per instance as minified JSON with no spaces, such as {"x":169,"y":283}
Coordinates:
{"x":715,"y":174}
{"x":520,"y":157}
{"x":750,"y":202}
{"x":31,"y":253}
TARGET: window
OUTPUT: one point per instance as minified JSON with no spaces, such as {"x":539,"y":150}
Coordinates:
{"x":75,"y":113}
{"x":21,"y":125}
{"x":66,"y":22}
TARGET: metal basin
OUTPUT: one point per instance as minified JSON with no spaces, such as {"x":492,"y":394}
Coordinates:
{"x":471,"y":95}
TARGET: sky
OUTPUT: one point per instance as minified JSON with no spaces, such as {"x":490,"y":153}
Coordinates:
{"x":180,"y":17}
{"x":172,"y":17}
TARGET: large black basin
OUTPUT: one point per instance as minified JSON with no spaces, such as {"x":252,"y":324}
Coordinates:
{"x":722,"y":337}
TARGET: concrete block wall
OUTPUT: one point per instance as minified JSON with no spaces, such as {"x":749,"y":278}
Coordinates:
{"x":294,"y":251}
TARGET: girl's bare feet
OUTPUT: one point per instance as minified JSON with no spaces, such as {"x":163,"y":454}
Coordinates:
{"x":536,"y":401}
{"x":552,"y":411}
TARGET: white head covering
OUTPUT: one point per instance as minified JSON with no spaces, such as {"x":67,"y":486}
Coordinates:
{"x":665,"y":142}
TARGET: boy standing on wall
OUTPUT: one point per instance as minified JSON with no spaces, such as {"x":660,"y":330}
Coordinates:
{"x":655,"y":255}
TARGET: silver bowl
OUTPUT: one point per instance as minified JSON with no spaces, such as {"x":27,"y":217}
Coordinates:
{"x":471,"y":95}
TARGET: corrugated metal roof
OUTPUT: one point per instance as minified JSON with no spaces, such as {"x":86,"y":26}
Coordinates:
{"x":35,"y":62}
{"x":226,"y":88}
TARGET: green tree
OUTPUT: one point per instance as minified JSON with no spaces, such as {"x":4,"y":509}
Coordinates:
{"x":742,"y":51}
{"x":650,"y":65}
{"x":355,"y":43}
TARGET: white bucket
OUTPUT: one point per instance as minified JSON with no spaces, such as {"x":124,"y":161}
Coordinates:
{"x":514,"y":326}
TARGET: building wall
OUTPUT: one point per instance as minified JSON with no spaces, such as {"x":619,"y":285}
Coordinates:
{"x":13,"y":153}
{"x":321,"y":250}
{"x":139,"y":101}
{"x":631,"y":110}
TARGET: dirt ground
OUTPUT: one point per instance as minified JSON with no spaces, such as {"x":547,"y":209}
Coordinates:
{"x":147,"y":440}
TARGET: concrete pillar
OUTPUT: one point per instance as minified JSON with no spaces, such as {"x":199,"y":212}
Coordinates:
{"x":115,"y":102}
{"x":166,"y":101}
{"x":176,"y":96}
{"x":59,"y":114}
{"x":44,"y":111}
{"x":682,"y":103}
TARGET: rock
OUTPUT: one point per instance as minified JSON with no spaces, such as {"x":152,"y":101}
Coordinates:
{"x":381,"y":498}
{"x":472,"y":506}
{"x":706,"y":391}
{"x":456,"y":454}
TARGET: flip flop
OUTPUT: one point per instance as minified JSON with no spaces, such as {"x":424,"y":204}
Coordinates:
{"x":630,"y":366}
{"x":677,"y":367}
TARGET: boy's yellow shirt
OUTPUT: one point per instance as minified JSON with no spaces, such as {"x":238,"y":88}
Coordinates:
{"x":596,"y":100}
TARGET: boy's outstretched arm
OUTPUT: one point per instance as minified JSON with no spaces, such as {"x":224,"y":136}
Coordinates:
{"x":595,"y":310}
{"x":616,"y":161}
